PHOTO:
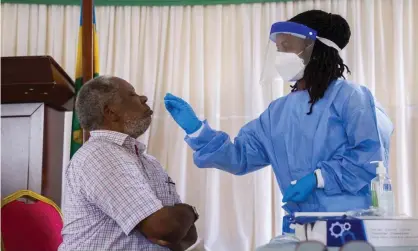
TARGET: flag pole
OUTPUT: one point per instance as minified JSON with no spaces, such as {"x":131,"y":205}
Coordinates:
{"x":87,"y":46}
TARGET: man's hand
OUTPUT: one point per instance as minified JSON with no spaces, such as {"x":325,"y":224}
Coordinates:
{"x":169,"y":225}
{"x":186,"y":242}
{"x":190,"y":238}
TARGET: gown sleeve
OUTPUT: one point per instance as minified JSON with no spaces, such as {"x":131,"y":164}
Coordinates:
{"x":246,"y":154}
{"x":350,"y":169}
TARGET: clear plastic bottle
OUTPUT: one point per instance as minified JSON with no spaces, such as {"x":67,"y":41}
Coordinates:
{"x":381,"y":191}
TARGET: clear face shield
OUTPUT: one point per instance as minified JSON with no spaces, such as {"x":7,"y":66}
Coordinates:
{"x":288,"y":52}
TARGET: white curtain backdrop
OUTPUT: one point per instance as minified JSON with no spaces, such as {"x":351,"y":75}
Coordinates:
{"x":212,"y":57}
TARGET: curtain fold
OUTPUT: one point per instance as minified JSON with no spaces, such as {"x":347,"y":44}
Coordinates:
{"x":212,"y":56}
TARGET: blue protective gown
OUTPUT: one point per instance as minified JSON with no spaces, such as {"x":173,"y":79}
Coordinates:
{"x":345,"y":132}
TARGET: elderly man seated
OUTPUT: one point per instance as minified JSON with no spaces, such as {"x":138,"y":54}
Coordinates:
{"x":117,"y":196}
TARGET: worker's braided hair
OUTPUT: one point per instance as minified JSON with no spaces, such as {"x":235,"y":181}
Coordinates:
{"x":325,"y":64}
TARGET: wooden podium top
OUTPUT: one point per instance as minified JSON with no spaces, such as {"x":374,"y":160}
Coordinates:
{"x":36,"y":79}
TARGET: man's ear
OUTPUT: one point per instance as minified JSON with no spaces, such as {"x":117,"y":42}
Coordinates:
{"x":111,"y":113}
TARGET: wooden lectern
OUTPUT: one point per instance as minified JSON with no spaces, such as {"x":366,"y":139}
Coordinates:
{"x":35,"y":93}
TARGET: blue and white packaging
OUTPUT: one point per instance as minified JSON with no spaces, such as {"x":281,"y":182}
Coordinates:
{"x":379,"y":232}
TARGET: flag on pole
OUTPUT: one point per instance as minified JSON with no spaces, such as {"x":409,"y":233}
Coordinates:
{"x":77,"y":132}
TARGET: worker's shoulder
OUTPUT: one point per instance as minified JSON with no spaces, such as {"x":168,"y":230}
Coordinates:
{"x":348,"y":89}
{"x":277,"y":103}
{"x":351,"y":97}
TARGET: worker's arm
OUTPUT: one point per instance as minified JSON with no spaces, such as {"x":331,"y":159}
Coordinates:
{"x":350,"y":169}
{"x":246,"y":153}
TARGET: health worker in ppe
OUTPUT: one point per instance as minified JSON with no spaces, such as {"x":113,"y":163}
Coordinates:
{"x":319,"y":139}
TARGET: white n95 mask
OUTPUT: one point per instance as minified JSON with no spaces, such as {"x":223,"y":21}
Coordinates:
{"x":289,"y":66}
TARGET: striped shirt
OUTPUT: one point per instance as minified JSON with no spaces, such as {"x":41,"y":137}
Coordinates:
{"x":111,"y":185}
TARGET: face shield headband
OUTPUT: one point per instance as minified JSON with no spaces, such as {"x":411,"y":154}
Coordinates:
{"x":301,"y":31}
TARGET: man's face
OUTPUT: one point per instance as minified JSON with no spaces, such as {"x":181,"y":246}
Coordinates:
{"x":134,"y":113}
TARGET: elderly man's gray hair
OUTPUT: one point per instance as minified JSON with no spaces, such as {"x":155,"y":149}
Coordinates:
{"x":92,"y":99}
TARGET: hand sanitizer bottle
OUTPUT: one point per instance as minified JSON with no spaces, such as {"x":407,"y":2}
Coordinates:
{"x":381,"y":190}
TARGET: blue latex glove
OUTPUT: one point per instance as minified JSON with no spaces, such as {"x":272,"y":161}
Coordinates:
{"x":182,"y":113}
{"x":301,"y":190}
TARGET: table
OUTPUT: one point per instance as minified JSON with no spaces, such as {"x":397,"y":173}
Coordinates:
{"x":291,"y":245}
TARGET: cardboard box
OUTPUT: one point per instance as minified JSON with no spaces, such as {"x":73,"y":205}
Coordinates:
{"x":379,"y":232}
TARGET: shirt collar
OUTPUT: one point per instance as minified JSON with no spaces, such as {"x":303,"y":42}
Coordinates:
{"x":119,"y":138}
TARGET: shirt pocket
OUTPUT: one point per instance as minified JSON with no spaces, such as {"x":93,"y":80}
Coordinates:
{"x":166,"y":191}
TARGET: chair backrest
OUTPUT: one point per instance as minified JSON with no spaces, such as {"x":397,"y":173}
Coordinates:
{"x":34,"y":226}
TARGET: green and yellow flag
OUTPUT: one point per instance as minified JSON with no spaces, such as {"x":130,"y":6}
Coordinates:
{"x":77,"y":132}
